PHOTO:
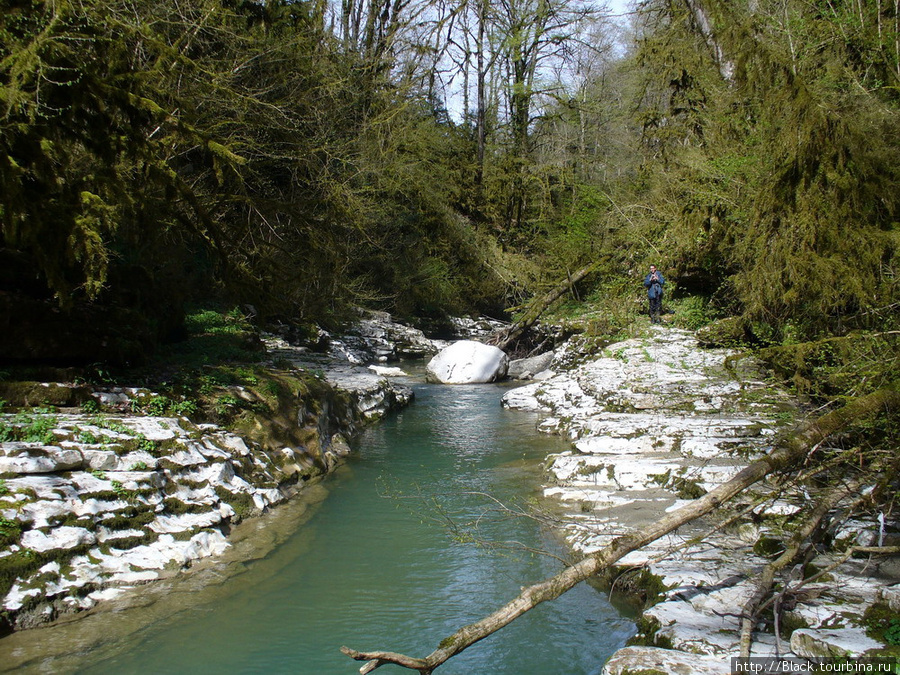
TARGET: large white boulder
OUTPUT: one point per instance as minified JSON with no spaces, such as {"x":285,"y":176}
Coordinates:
{"x":467,"y":362}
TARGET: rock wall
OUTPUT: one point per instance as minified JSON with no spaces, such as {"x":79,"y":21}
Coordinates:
{"x":655,"y":422}
{"x":93,"y":504}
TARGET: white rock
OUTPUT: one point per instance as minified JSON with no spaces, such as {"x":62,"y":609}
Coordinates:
{"x":235,"y":443}
{"x":185,"y":521}
{"x":99,"y":460}
{"x":206,"y":543}
{"x":693,"y":631}
{"x":523,"y":369}
{"x":385,"y":371}
{"x":29,"y":458}
{"x":655,"y":659}
{"x":524,"y":398}
{"x":467,"y":362}
{"x":834,"y":642}
{"x":155,"y":428}
{"x":106,"y":594}
{"x":61,"y":537}
{"x":17,"y":597}
{"x":891,"y":596}
{"x":104,"y":534}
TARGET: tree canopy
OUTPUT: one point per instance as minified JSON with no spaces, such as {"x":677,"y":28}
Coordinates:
{"x":434,"y":157}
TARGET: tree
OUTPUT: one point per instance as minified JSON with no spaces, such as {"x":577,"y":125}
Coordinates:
{"x":775,"y":192}
{"x":234,"y":150}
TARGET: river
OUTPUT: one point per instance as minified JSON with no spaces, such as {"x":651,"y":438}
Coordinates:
{"x":367,"y":558}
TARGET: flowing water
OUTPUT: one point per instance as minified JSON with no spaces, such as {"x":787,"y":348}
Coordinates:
{"x":382,"y":554}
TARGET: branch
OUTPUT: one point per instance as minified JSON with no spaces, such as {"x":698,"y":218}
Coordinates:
{"x":507,"y":336}
{"x":378,"y":659}
{"x":789,"y":451}
{"x":792,"y":550}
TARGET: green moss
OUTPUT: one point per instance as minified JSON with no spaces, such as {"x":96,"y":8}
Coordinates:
{"x":882,"y":624}
{"x":125,"y":543}
{"x":790,"y":622}
{"x":684,"y":488}
{"x":102,"y":495}
{"x":178,"y":507}
{"x":22,"y":564}
{"x":588,"y":470}
{"x":647,"y":635}
{"x":193,"y":484}
{"x":241,"y":502}
{"x":10,"y":532}
{"x":28,"y":393}
{"x":165,"y":464}
{"x":129,"y":518}
{"x":687,"y":489}
{"x":768,"y":547}
{"x":71,"y":520}
{"x":447,"y":643}
{"x":639,"y":587}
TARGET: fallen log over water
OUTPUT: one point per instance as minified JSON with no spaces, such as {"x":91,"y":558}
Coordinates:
{"x":505,"y":337}
{"x":790,"y":450}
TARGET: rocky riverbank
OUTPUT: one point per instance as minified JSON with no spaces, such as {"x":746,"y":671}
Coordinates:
{"x":96,"y":499}
{"x":657,"y":421}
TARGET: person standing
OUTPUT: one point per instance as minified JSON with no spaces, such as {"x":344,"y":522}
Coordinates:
{"x":654,"y":283}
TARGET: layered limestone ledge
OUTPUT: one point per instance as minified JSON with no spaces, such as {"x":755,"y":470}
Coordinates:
{"x":104,"y":502}
{"x":656,"y":422}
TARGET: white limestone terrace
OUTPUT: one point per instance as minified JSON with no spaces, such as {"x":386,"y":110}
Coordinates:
{"x":354,"y":361}
{"x":105,"y":502}
{"x":657,"y":421}
{"x":115,"y":501}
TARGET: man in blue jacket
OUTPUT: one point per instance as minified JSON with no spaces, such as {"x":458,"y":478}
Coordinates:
{"x":654,"y":282}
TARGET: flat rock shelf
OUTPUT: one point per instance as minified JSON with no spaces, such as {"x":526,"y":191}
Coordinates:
{"x":657,"y":421}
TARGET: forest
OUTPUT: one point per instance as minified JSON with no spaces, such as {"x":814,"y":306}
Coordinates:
{"x":432,"y":158}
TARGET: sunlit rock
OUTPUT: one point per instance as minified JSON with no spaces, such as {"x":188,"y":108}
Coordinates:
{"x":387,"y":371}
{"x":833,"y":643}
{"x":656,"y":660}
{"x":30,"y":458}
{"x":467,"y":362}
{"x":58,"y":538}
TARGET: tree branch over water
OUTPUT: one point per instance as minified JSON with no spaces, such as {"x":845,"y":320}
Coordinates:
{"x":789,"y":451}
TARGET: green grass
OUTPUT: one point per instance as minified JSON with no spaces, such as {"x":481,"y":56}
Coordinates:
{"x":30,"y":427}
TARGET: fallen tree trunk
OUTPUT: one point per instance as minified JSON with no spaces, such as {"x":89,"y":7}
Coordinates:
{"x":789,"y":451}
{"x":505,"y":337}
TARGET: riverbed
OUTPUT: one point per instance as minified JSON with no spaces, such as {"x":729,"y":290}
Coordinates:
{"x":395,"y":550}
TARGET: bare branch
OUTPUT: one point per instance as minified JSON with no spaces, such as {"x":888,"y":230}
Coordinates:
{"x":790,"y":450}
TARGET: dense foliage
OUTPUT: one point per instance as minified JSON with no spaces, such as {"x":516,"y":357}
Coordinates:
{"x":154,"y":152}
{"x":300,"y":158}
{"x":779,"y":181}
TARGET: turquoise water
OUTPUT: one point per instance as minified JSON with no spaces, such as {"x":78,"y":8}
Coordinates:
{"x":385,"y":560}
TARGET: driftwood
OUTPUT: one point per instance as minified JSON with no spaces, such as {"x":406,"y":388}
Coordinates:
{"x":792,"y":551}
{"x":505,"y":337}
{"x":791,"y":450}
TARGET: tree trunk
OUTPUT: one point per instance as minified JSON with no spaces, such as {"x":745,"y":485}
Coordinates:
{"x":507,"y":336}
{"x":481,"y":75}
{"x":704,"y":25}
{"x":791,"y":450}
